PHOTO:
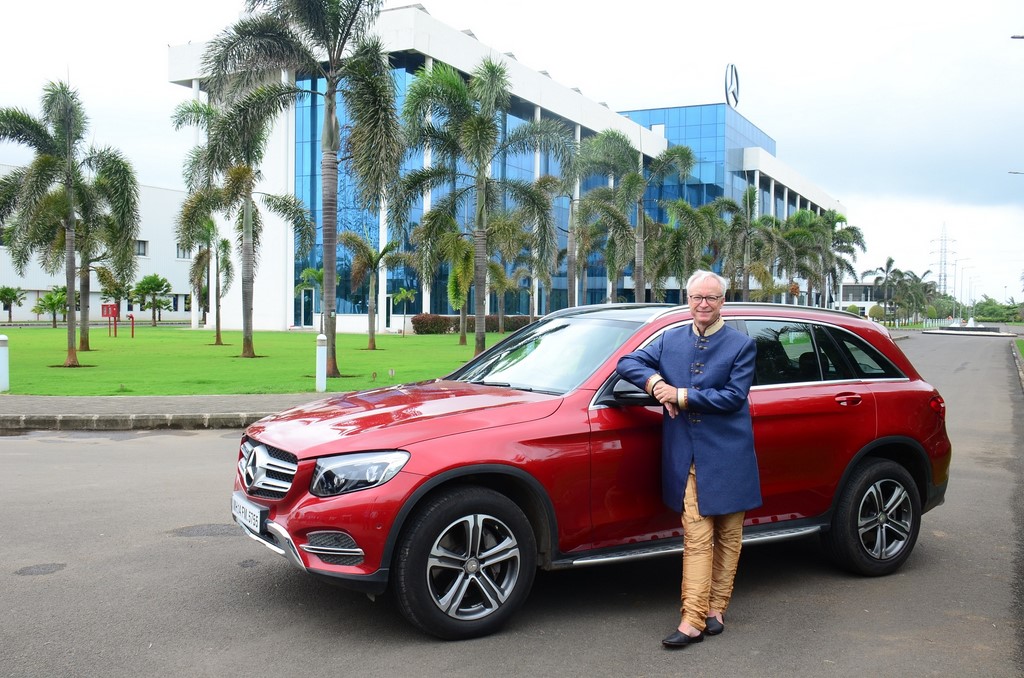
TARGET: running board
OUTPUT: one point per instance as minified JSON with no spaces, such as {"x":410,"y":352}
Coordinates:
{"x":676,"y":547}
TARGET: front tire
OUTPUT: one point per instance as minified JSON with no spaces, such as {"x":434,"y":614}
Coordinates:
{"x":877,"y":520}
{"x":465,"y":563}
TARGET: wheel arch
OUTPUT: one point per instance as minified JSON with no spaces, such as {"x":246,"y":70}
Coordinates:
{"x":518,"y":485}
{"x":902,"y":450}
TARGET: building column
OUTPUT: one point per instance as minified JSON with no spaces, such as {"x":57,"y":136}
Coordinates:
{"x":382,"y":287}
{"x":785,"y":202}
{"x":197,"y":138}
{"x":572,"y":211}
{"x":771,"y":198}
{"x":428,"y":276}
{"x":535,"y":305}
{"x":610,"y":296}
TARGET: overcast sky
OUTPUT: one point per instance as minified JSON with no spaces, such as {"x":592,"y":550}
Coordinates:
{"x":909,"y":113}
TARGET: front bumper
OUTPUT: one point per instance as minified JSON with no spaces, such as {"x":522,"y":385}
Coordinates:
{"x":276,"y":538}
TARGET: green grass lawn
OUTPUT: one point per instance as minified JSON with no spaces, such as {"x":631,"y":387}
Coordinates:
{"x":182,"y":361}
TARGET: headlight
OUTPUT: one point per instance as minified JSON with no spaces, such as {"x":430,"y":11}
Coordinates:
{"x":353,"y":472}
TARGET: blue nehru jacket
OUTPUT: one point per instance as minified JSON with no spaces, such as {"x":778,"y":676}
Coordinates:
{"x":714,"y":432}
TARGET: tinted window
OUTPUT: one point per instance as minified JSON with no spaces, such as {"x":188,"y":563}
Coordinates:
{"x":864,"y":359}
{"x":785,"y":352}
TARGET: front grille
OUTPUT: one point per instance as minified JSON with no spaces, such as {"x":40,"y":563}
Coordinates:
{"x":267,"y":471}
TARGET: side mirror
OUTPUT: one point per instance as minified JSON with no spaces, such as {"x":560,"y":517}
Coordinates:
{"x":623,"y":393}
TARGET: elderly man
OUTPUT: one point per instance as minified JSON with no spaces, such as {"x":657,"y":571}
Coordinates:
{"x":702,"y":373}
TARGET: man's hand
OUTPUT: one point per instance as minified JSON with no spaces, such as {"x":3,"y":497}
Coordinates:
{"x":667,"y":395}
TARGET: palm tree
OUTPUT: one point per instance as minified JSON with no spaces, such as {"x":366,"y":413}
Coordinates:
{"x":404,"y":296}
{"x":11,"y":297}
{"x":914,"y":293}
{"x":752,"y":244}
{"x":211,"y":251}
{"x":366,"y":263}
{"x":611,"y":153}
{"x":846,"y":241}
{"x":54,"y":190}
{"x":53,"y":302}
{"x":315,"y":38}
{"x":149,"y":291}
{"x":462,"y":123}
{"x":438,"y":241}
{"x":114,"y":287}
{"x":686,"y":243}
{"x":885,"y":279}
{"x":221,"y":176}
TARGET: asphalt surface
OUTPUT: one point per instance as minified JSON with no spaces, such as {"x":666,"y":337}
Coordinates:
{"x":20,"y":413}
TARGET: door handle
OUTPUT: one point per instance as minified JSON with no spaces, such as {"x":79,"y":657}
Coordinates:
{"x":846,"y":399}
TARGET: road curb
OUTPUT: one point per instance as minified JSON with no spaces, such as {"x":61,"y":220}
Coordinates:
{"x":21,"y":423}
{"x":1018,"y":359}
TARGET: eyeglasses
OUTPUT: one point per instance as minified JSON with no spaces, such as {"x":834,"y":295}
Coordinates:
{"x":699,"y":299}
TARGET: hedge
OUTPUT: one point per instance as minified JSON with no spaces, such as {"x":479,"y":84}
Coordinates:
{"x":432,"y":323}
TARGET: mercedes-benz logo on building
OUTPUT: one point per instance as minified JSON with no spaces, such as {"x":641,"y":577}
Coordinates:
{"x":732,"y":85}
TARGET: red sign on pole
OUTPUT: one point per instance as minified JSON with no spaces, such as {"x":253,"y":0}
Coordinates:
{"x":109,"y":310}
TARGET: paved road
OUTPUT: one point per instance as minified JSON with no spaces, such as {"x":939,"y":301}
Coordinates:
{"x":118,"y":559}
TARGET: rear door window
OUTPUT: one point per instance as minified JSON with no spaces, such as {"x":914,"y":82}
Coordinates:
{"x":866,"y":361}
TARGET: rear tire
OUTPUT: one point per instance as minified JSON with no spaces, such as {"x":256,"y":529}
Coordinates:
{"x":465,"y":563}
{"x":877,"y":520}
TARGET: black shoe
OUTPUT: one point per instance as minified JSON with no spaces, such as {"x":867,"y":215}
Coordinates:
{"x":713,"y":627}
{"x":678,"y":639}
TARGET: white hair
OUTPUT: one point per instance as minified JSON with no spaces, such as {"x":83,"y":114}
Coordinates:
{"x":701,"y":275}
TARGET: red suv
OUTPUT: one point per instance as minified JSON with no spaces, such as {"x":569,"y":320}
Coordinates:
{"x":536,"y":454}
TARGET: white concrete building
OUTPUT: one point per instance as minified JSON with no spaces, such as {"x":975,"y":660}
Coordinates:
{"x":157,"y":251}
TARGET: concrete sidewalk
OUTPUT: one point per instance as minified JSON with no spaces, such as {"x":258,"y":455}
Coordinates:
{"x":20,"y":413}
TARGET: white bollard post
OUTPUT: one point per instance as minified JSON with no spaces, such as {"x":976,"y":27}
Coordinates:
{"x":5,"y":375}
{"x":321,"y":363}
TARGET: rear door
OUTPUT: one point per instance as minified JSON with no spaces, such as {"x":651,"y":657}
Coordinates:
{"x":811,"y":414}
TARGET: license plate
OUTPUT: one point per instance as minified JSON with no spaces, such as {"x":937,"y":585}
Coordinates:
{"x":247,"y":513}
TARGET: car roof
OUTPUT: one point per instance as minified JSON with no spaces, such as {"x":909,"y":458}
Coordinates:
{"x":644,"y":313}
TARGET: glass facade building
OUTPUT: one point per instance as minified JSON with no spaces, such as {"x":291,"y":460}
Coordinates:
{"x":731,"y":154}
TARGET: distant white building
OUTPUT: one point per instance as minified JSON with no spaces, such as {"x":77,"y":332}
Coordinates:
{"x":156,"y":249}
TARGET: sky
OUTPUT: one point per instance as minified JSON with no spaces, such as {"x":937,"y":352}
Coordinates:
{"x":908,"y":113}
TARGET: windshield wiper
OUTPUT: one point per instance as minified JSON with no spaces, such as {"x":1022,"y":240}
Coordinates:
{"x":500,"y":384}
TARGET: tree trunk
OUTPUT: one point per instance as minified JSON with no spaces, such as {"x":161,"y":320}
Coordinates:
{"x":248,"y":351}
{"x":462,"y":325}
{"x":216,"y":269}
{"x":330,"y":142}
{"x":69,"y":274}
{"x":570,"y":258}
{"x":371,"y":310}
{"x":152,"y":309}
{"x":639,"y":284}
{"x":480,"y":269}
{"x":86,"y":288}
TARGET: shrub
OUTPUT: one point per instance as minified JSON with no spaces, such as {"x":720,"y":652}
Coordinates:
{"x":432,"y":323}
{"x":876,"y":312}
{"x":853,"y":308}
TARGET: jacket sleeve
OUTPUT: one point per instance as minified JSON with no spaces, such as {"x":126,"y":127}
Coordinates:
{"x":732,"y":395}
{"x":638,"y":366}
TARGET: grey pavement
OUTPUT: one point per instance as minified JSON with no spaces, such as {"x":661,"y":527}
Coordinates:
{"x":21,"y":413}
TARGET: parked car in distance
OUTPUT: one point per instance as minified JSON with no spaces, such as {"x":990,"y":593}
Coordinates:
{"x":451,"y":493}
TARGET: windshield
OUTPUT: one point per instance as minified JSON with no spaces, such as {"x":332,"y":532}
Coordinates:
{"x":553,"y":356}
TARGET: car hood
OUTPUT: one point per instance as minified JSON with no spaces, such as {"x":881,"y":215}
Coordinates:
{"x":398,"y":416}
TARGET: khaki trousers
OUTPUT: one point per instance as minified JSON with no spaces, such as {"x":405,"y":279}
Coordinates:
{"x":710,"y":557}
